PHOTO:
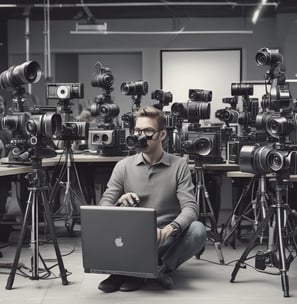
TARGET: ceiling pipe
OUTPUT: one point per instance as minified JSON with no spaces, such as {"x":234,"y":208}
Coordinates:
{"x":139,"y":4}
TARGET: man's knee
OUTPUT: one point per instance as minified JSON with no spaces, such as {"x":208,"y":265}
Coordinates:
{"x":197,"y":231}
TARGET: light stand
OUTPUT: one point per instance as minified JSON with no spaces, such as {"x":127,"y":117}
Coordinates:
{"x":282,"y":233}
{"x":68,"y":205}
{"x":206,"y":211}
{"x":37,"y":187}
{"x":257,"y":207}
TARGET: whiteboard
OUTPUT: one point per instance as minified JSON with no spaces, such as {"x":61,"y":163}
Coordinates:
{"x":213,"y":70}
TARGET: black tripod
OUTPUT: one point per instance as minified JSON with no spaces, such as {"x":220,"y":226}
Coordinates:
{"x":254,"y":212}
{"x":206,"y":214}
{"x":37,"y":187}
{"x":68,"y":210}
{"x":282,"y":235}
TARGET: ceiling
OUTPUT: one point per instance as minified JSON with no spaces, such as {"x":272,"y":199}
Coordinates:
{"x":91,"y":10}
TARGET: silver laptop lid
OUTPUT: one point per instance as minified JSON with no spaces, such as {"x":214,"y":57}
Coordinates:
{"x":119,"y":240}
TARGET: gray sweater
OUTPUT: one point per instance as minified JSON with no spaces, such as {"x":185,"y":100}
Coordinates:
{"x":165,"y":186}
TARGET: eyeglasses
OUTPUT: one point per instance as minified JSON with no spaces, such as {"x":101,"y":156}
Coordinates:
{"x":146,"y":132}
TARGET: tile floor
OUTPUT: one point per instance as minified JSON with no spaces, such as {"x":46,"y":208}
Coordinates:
{"x":197,"y":281}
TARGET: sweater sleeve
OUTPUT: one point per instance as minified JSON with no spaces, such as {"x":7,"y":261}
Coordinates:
{"x":186,"y":196}
{"x":115,"y":186}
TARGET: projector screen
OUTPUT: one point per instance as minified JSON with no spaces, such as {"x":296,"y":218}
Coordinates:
{"x":213,"y":70}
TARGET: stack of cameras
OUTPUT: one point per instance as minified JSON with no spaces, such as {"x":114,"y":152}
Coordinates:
{"x":106,"y":137}
{"x":203,"y":143}
{"x":275,"y":148}
{"x":32,"y":132}
{"x":263,"y":141}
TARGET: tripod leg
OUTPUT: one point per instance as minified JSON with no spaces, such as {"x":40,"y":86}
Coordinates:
{"x":244,"y":255}
{"x":14,"y":267}
{"x":53,"y":236}
{"x":282,"y":257}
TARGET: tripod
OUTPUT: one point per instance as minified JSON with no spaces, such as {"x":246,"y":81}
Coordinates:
{"x":254,"y":212}
{"x":36,"y":191}
{"x":71,"y":211}
{"x":206,"y":210}
{"x":282,"y":234}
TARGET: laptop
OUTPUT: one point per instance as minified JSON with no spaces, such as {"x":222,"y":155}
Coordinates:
{"x":119,"y":240}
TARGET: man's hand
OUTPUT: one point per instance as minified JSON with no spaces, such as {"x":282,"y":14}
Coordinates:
{"x":128,"y":199}
{"x":163,"y":234}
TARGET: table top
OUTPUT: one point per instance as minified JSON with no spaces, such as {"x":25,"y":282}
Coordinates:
{"x":14,"y":169}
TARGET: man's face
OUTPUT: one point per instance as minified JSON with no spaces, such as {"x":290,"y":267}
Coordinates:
{"x":150,"y":124}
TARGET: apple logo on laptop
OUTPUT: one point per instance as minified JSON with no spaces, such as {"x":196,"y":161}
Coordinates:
{"x":119,"y":241}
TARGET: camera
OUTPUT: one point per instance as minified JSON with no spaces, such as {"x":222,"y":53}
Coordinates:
{"x":227,"y":115}
{"x":275,"y":124}
{"x":17,"y":75}
{"x":206,"y":144}
{"x":191,"y":111}
{"x":134,"y":88}
{"x":109,"y":142}
{"x":102,"y":77}
{"x":24,"y":124}
{"x":267,"y":56}
{"x":267,"y":159}
{"x":75,"y":130}
{"x":163,"y":97}
{"x":64,"y":91}
{"x":31,"y":133}
{"x":200,"y":95}
{"x":105,"y":109}
{"x":198,"y":107}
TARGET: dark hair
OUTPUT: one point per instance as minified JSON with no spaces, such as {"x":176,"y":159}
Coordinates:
{"x":152,"y":112}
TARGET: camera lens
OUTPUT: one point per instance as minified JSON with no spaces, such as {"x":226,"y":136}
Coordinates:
{"x":266,"y":56}
{"x":276,"y":161}
{"x":15,"y":76}
{"x":197,"y":111}
{"x":109,"y":110}
{"x":63,"y":92}
{"x":202,"y":145}
{"x":134,"y":88}
{"x":242,"y":89}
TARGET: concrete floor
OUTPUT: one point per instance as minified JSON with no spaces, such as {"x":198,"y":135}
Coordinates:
{"x":197,"y":281}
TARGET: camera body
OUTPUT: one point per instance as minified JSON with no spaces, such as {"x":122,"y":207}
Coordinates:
{"x":64,"y":91}
{"x":205,"y":144}
{"x":102,"y":77}
{"x":108,"y":142}
{"x":164,"y":98}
